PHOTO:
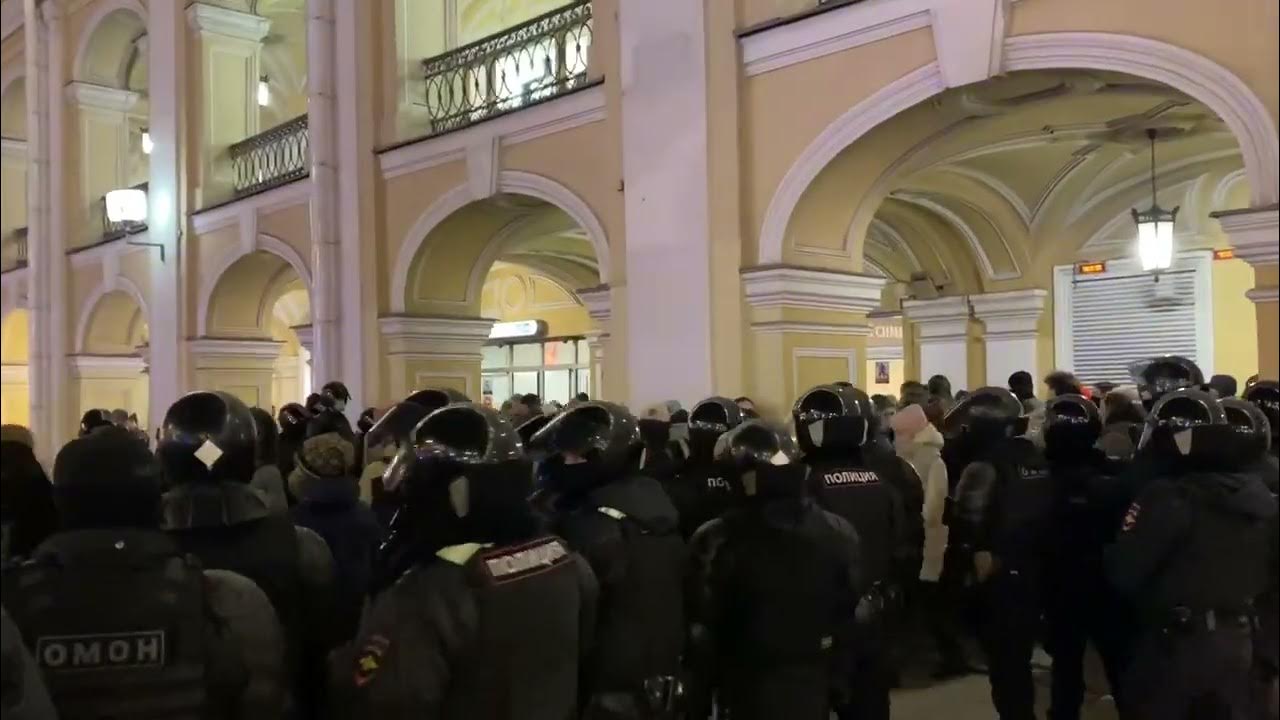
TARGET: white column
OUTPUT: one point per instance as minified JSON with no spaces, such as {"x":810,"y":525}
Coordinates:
{"x":306,"y":365}
{"x":326,"y":346}
{"x":599,"y":304}
{"x":1012,"y":334}
{"x":664,"y":166}
{"x":942,"y":335}
{"x":166,"y":207}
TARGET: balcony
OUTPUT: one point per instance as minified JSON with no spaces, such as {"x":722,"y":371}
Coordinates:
{"x":273,"y":157}
{"x":537,"y":60}
{"x":15,"y":250}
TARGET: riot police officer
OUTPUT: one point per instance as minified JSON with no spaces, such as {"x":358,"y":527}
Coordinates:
{"x":1089,"y":502}
{"x":1265,"y":395}
{"x":293,"y":419}
{"x":833,"y":426}
{"x":493,"y":616}
{"x":1193,"y":554}
{"x":337,"y":394}
{"x":700,"y":491}
{"x":1158,"y":376}
{"x":1003,"y":503}
{"x":120,"y":621}
{"x":627,"y":528}
{"x":392,"y":434}
{"x":774,"y":588}
{"x":206,"y":450}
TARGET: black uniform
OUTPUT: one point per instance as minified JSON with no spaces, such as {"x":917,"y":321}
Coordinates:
{"x":120,"y":622}
{"x":1193,"y":554}
{"x":773,"y":589}
{"x":1003,"y":505}
{"x":627,"y":528}
{"x":701,"y":490}
{"x":211,"y":512}
{"x":1081,"y":607}
{"x":833,"y":424}
{"x":492,"y":618}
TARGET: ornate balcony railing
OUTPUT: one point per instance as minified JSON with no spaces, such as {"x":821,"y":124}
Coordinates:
{"x":273,"y":157}
{"x":533,"y":61}
{"x":15,"y":250}
{"x":116,"y":230}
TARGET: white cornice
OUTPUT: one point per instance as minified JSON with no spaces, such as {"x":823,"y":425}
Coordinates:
{"x":1010,"y":314}
{"x":885,"y":352}
{"x":294,"y":193}
{"x":207,"y":348}
{"x":563,"y":113}
{"x":830,"y":32}
{"x":776,"y":327}
{"x":782,"y":286}
{"x":13,"y":148}
{"x":216,"y":20}
{"x":598,"y":301}
{"x":101,"y":97}
{"x":107,"y":366}
{"x":941,"y":319}
{"x":1254,"y":234}
{"x":1263,"y":295}
{"x":453,"y":337}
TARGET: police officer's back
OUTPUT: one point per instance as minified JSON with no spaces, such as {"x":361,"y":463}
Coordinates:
{"x":1089,"y":502}
{"x":1193,"y":553}
{"x":700,"y":491}
{"x":492,"y":617}
{"x":207,"y":450}
{"x":773,"y":589}
{"x":120,"y":621}
{"x":627,"y":528}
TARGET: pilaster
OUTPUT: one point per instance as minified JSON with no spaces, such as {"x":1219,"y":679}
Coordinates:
{"x":1012,"y":333}
{"x":1255,"y":237}
{"x":942,"y":337}
{"x":442,"y":352}
{"x":244,"y":368}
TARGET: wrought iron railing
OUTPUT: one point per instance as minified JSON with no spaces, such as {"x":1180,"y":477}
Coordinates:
{"x":273,"y":157}
{"x":533,"y":61}
{"x":15,"y":251}
{"x":120,"y":228}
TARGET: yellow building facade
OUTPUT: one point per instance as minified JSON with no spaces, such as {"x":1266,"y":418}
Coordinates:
{"x":655,"y":198}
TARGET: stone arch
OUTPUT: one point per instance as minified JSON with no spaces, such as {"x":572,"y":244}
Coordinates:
{"x":265,"y":243}
{"x":1199,"y":77}
{"x":119,"y":284}
{"x":509,"y":181}
{"x":102,"y":10}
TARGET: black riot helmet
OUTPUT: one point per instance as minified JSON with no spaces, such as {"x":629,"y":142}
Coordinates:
{"x":464,"y":478}
{"x":1251,"y":426}
{"x":207,"y":437}
{"x":339,"y":394}
{"x":1265,"y":395}
{"x":265,"y":435}
{"x":94,"y":419}
{"x":435,"y":398}
{"x":761,"y":462}
{"x":989,"y":413}
{"x":835,"y":417}
{"x":1189,"y":425}
{"x":1160,"y":375}
{"x":293,"y":420}
{"x":588,"y":445}
{"x":394,"y":428}
{"x":1072,"y":424}
{"x":530,"y":427}
{"x":708,"y":420}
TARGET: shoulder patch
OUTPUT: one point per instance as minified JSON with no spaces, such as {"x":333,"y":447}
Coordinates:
{"x":1131,"y":517}
{"x":100,"y":652}
{"x":850,"y":478}
{"x":513,"y":563}
{"x":369,"y":659}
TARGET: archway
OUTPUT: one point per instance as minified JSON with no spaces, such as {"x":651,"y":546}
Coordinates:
{"x":15,"y":393}
{"x":527,"y":267}
{"x":111,"y":341}
{"x":255,"y":319}
{"x":13,"y":172}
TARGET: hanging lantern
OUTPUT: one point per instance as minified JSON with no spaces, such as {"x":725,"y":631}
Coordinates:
{"x":1155,"y":225}
{"x":264,"y":92}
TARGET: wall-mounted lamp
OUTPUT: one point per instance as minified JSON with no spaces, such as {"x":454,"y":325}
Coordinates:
{"x":264,"y":92}
{"x":129,"y":205}
{"x":147,"y":145}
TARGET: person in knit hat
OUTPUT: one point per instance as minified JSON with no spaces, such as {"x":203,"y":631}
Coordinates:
{"x":329,"y":503}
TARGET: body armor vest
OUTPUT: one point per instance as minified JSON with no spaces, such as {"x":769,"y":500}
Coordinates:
{"x":115,"y":619}
{"x":1021,"y":505}
{"x":862,"y":497}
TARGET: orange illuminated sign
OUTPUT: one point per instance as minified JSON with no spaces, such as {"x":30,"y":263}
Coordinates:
{"x":1092,"y":268}
{"x":1224,"y":254}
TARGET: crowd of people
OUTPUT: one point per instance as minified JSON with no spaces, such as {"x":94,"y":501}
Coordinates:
{"x":444,"y":559}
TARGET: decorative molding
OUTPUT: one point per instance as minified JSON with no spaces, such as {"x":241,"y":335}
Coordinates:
{"x":1254,"y":233}
{"x":885,"y":352}
{"x":1206,"y":81}
{"x":510,"y":181}
{"x":118,"y":283}
{"x":101,"y":97}
{"x":830,"y":32}
{"x":206,"y":348}
{"x":216,"y":20}
{"x":776,"y":327}
{"x":945,"y":318}
{"x":798,"y":353}
{"x":107,"y":367}
{"x":1263,"y":295}
{"x":306,"y":336}
{"x":213,"y":273}
{"x":14,"y":374}
{"x":100,"y":11}
{"x":598,"y":301}
{"x":13,"y":148}
{"x":563,"y":113}
{"x":94,"y":254}
{"x":482,"y":167}
{"x":782,"y":286}
{"x":434,"y":336}
{"x":968,"y":233}
{"x":1010,"y":315}
{"x":219,"y":216}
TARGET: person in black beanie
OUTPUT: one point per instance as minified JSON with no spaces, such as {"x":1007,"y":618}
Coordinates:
{"x":113,"y":586}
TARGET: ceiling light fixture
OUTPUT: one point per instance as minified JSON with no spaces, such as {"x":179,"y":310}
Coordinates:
{"x":1155,"y":225}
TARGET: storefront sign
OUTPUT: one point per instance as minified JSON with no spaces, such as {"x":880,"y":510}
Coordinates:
{"x":517,"y":329}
